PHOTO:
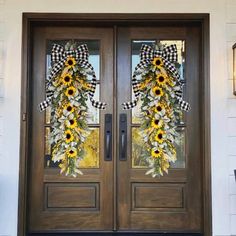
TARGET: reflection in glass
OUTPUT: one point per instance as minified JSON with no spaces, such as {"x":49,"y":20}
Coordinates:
{"x":93,"y":112}
{"x":47,"y":148}
{"x":138,"y":150}
{"x":91,"y":150}
{"x":48,"y":115}
{"x":180,"y":150}
{"x":47,"y":143}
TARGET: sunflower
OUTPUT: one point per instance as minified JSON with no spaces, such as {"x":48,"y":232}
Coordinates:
{"x":159,"y":136}
{"x":70,"y":91}
{"x":70,"y":62}
{"x":157,"y":62}
{"x":68,"y":107}
{"x":71,"y":123}
{"x":156,"y":152}
{"x":71,"y":153}
{"x":157,"y":91}
{"x":158,"y":108}
{"x":156,"y":123}
{"x":67,"y":79}
{"x":161,"y":79}
{"x":69,"y":136}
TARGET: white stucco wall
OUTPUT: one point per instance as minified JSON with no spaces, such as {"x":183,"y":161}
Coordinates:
{"x":223,"y":104}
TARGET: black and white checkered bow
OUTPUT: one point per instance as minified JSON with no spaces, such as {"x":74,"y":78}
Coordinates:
{"x":59,"y":57}
{"x":169,"y":56}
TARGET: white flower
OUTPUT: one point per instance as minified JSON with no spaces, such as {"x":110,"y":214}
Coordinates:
{"x":58,"y":157}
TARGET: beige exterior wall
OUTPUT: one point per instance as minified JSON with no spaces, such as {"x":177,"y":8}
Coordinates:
{"x":223,"y":104}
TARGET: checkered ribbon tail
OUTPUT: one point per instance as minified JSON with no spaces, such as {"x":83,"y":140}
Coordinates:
{"x":135,"y":87}
{"x":59,"y":57}
{"x":93,"y":84}
{"x":184,"y":106}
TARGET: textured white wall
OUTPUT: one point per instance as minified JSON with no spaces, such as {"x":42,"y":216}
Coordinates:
{"x":230,"y":40}
{"x":223,"y":104}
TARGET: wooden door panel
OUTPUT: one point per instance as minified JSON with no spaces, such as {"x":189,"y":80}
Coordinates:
{"x":57,"y":202}
{"x":157,"y":197}
{"x":85,"y":196}
{"x":172,"y":202}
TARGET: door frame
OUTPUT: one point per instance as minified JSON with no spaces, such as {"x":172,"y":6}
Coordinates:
{"x":30,"y":20}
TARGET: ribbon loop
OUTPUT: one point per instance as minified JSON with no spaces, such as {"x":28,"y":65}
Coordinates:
{"x":170,"y":53}
{"x":82,"y":53}
{"x":57,"y":53}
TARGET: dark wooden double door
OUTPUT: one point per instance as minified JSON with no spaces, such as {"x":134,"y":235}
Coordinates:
{"x":115,"y":195}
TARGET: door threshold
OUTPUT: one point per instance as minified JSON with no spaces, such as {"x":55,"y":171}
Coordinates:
{"x":115,"y":233}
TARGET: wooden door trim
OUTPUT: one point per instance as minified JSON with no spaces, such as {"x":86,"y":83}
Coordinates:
{"x":30,"y":20}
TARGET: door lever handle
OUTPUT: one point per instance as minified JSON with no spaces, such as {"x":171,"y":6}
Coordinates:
{"x":108,"y":138}
{"x":123,"y":137}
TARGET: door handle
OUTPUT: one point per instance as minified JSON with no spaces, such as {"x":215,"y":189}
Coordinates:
{"x":108,"y":137}
{"x":123,"y":137}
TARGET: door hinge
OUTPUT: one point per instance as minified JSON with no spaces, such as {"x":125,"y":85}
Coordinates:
{"x":24,"y":116}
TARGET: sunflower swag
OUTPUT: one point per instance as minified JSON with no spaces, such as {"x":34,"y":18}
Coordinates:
{"x":159,"y":89}
{"x":68,"y":89}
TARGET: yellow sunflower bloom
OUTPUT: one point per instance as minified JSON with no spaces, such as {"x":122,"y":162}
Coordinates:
{"x":70,"y":91}
{"x":159,"y":137}
{"x":69,"y":136}
{"x":68,"y":107}
{"x":156,"y":123}
{"x":71,"y":123}
{"x":67,"y":79}
{"x":156,"y":153}
{"x":161,"y":79}
{"x":71,"y":153}
{"x":158,"y":108}
{"x":157,"y":91}
{"x":70,"y":62}
{"x":157,"y":62}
